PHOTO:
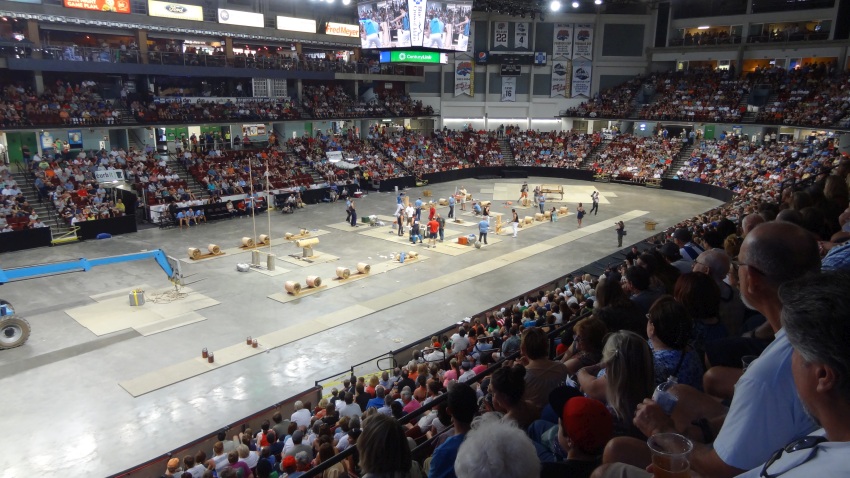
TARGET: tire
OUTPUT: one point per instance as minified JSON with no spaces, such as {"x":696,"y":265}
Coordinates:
{"x":14,"y":332}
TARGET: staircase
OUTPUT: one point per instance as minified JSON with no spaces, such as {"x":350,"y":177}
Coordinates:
{"x":191,"y":183}
{"x":507,"y":154}
{"x":45,"y":209}
{"x":679,"y":161}
{"x":637,"y":107}
{"x":594,"y":154}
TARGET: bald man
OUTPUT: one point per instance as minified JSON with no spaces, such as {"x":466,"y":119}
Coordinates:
{"x":766,"y":412}
{"x":716,"y":264}
{"x":750,"y":222}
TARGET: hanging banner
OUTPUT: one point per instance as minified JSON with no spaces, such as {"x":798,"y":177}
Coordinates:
{"x":561,"y":75}
{"x":581,"y":77}
{"x":470,"y":45}
{"x":500,"y":35}
{"x":509,"y":88}
{"x":562,"y":41}
{"x":75,"y":138}
{"x":464,"y":78}
{"x":416,"y":15}
{"x":521,"y":33}
{"x":583,"y":42}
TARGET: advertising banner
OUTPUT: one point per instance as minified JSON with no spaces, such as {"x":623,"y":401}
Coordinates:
{"x":175,"y":10}
{"x":236,"y":17}
{"x":562,"y":41}
{"x":416,"y":16}
{"x":583,"y":41}
{"x":464,"y":78}
{"x":581,"y":77}
{"x":561,"y":75}
{"x":117,"y":6}
{"x":109,"y":176}
{"x":75,"y":138}
{"x":342,"y":30}
{"x":509,"y":88}
{"x":521,"y":33}
{"x":500,"y":35}
{"x":293,"y":24}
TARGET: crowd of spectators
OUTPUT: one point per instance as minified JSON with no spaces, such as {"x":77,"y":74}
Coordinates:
{"x":185,"y":111}
{"x":634,"y":158}
{"x":697,"y":95}
{"x":614,"y":102}
{"x":557,"y":149}
{"x":332,"y":101}
{"x":62,"y":103}
{"x":814,"y":95}
{"x":690,"y":310}
{"x":16,"y":213}
{"x":400,"y":104}
{"x":755,"y":168}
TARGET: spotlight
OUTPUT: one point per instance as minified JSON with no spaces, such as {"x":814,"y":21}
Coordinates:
{"x":346,"y":2}
{"x":598,"y":2}
{"x":575,"y":4}
{"x":555,"y":5}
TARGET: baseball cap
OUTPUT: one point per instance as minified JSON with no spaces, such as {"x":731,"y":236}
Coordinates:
{"x":587,"y":422}
{"x":289,"y":461}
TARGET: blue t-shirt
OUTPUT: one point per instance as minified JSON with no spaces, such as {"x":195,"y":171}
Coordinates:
{"x":436,"y":26}
{"x":466,"y":28}
{"x":451,"y":200}
{"x":484,"y":226}
{"x":370,"y":26}
{"x":766,"y":413}
{"x":443,"y":458}
{"x":376,"y":402}
{"x":405,"y":23}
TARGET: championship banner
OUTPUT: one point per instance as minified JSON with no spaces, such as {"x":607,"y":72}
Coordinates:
{"x":521,"y":32}
{"x":509,"y":88}
{"x":561,"y":75}
{"x":500,"y":36}
{"x":581,"y":77}
{"x":416,"y":15}
{"x":583,"y":42}
{"x":562,"y":41}
{"x":464,"y":78}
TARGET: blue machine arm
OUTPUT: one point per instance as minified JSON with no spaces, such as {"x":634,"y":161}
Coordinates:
{"x":27,"y":272}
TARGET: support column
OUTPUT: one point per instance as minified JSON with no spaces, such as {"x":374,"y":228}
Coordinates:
{"x":142,"y":41}
{"x":39,"y":82}
{"x":228,"y":48}
{"x":299,"y":89}
{"x":34,"y":35}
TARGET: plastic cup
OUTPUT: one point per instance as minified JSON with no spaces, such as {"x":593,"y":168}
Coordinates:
{"x":666,"y":400}
{"x":747,"y":360}
{"x":670,"y":453}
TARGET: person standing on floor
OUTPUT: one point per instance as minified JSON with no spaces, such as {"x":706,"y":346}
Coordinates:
{"x":442,"y":223}
{"x":523,"y":191}
{"x":348,"y":210}
{"x":595,"y":197}
{"x":621,"y":231}
{"x":462,"y":192}
{"x":451,"y":207}
{"x":352,"y":214}
{"x":580,"y":214}
{"x":433,"y":229}
{"x":483,"y":229}
{"x":541,"y":200}
{"x":418,"y":205}
{"x":514,"y":221}
{"x":399,"y":217}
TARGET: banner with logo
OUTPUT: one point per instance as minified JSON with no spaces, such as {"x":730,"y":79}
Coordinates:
{"x":561,"y":76}
{"x":237,"y":17}
{"x":75,"y":138}
{"x":581,"y":77}
{"x":521,"y":33}
{"x":583,"y":41}
{"x":342,"y":29}
{"x":500,"y":35}
{"x":509,"y":88}
{"x":109,"y":176}
{"x":175,"y":10}
{"x":464,"y":78}
{"x":416,"y":16}
{"x":562,"y":41}
{"x":470,"y":44}
{"x":116,"y":6}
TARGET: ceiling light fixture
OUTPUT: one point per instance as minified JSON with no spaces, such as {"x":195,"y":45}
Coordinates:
{"x":555,"y":5}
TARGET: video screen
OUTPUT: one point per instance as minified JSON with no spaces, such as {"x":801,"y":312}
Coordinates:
{"x":415,"y":24}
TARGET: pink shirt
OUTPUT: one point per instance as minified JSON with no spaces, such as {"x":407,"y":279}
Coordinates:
{"x":411,"y":405}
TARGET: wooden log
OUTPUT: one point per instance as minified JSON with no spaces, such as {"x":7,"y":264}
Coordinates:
{"x":343,"y":272}
{"x":214,"y":249}
{"x":314,"y":281}
{"x":248,"y":242}
{"x":194,"y":253}
{"x":363,"y":268}
{"x":292,"y":287}
{"x":265,"y":239}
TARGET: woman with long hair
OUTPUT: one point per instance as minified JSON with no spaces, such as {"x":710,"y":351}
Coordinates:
{"x":326,"y":452}
{"x":383,"y":450}
{"x":623,"y":379}
{"x":588,"y":339}
{"x":700,"y":296}
{"x":507,"y":387}
{"x":580,"y":213}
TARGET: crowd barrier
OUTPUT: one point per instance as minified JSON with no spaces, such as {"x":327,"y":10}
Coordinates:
{"x":25,"y":239}
{"x":113,"y":226}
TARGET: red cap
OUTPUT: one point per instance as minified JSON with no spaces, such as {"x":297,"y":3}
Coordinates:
{"x":289,"y":461}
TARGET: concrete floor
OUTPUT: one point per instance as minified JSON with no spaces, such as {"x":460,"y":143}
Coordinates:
{"x":65,"y":413}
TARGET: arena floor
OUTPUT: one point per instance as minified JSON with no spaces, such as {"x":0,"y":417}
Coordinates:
{"x":101,"y":387}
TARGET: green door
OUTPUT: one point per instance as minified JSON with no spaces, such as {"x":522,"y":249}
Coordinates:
{"x":14,"y":143}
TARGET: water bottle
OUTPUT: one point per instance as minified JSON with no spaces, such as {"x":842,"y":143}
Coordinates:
{"x":662,"y":396}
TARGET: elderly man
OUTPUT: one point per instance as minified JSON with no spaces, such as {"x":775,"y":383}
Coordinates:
{"x":301,"y":416}
{"x":816,"y":324}
{"x":766,"y":411}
